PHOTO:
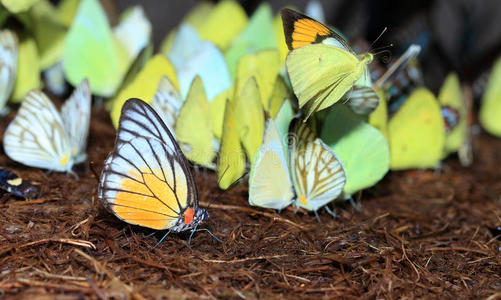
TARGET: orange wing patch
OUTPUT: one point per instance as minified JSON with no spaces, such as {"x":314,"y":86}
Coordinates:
{"x":306,"y":32}
{"x":149,"y":203}
{"x":301,"y":30}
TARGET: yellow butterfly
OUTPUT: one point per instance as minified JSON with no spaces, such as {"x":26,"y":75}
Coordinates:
{"x":322,"y":66}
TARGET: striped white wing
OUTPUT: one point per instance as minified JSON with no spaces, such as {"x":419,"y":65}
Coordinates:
{"x":167,"y":102}
{"x":362,"y":100}
{"x":317,"y":174}
{"x":36,"y":137}
{"x":8,"y":64}
{"x":76,"y":119}
{"x":146,"y":180}
{"x":269,"y":180}
{"x":138,"y":119}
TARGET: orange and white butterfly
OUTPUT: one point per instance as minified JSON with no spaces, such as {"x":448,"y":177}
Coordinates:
{"x":40,"y":136}
{"x":146,"y":180}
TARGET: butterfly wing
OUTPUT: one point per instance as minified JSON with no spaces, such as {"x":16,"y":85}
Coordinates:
{"x":146,"y":180}
{"x":416,"y":132}
{"x":8,"y":64}
{"x":194,"y":126}
{"x":362,"y":149}
{"x":490,"y":110}
{"x":36,"y":137}
{"x":250,"y":117}
{"x":76,"y":119}
{"x":320,"y":74}
{"x":269,"y":180}
{"x":317,"y":174}
{"x":454,"y":113}
{"x":301,"y":30}
{"x":167,"y":102}
{"x":231,"y":161}
{"x":363,"y":100}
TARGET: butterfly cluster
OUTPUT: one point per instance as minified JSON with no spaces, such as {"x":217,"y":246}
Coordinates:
{"x":284,"y":96}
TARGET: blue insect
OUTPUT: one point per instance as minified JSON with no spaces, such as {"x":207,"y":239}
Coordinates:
{"x":12,"y":183}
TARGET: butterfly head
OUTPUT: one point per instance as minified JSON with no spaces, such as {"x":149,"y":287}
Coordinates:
{"x":190,"y":219}
{"x":367,"y":58}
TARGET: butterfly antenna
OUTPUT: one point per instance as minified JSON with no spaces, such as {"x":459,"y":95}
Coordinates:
{"x":381,"y":34}
{"x":382,"y":48}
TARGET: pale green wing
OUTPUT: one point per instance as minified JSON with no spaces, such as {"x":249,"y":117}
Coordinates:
{"x":361,"y":148}
{"x":17,"y":6}
{"x":321,"y":74}
{"x":231,"y":163}
{"x":91,"y":50}
{"x":249,"y":115}
{"x":279,"y":95}
{"x":255,"y":37}
{"x":28,"y":71}
{"x":416,"y":132}
{"x":264,"y":66}
{"x":490,"y":111}
{"x":8,"y":64}
{"x":269,"y":180}
{"x":316,"y":172}
{"x":194,"y":126}
{"x":379,"y":117}
{"x":451,"y":100}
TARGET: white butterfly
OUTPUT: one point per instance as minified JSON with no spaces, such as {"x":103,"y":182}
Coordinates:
{"x":8,"y":64}
{"x":312,"y":171}
{"x":40,"y":136}
{"x":167,"y":102}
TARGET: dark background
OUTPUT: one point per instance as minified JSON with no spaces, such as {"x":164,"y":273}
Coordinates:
{"x":456,"y":35}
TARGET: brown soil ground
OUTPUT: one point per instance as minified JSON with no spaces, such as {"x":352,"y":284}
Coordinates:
{"x":418,"y":234}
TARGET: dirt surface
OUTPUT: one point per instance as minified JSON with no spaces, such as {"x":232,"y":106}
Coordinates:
{"x":418,"y":234}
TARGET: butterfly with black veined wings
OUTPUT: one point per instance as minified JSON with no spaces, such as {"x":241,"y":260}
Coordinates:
{"x":322,"y":66}
{"x":40,"y":136}
{"x":146,"y":180}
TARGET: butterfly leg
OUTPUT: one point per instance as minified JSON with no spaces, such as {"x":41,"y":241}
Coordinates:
{"x":356,"y":205}
{"x":330,"y":212}
{"x":72,"y":173}
{"x":161,"y":240}
{"x":211,"y":234}
{"x":317,"y":216}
